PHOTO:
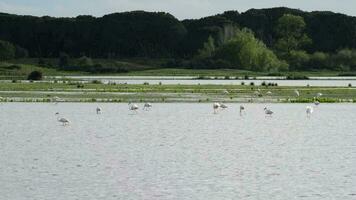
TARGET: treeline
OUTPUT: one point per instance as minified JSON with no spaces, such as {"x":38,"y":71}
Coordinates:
{"x":276,"y":39}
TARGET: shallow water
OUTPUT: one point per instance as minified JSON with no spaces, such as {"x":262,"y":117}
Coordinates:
{"x":177,"y":151}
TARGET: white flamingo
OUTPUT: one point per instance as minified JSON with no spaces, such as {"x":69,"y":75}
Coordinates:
{"x":309,"y":110}
{"x":64,"y":121}
{"x":98,"y":110}
{"x":133,"y":107}
{"x":316,"y":102}
{"x":226,"y":92}
{"x":216,"y":107}
{"x":223,"y":106}
{"x":242,"y":108}
{"x":268,"y":112}
{"x":147,"y":106}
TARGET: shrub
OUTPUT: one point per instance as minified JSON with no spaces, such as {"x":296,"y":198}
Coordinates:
{"x":35,"y":76}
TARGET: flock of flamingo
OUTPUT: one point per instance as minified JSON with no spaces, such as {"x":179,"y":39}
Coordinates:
{"x":216,"y":106}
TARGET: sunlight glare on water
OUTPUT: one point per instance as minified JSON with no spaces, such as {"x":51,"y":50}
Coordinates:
{"x":177,"y":151}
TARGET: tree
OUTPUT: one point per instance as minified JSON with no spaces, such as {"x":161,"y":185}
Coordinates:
{"x":7,"y":50}
{"x":35,"y":76}
{"x":291,"y":32}
{"x":63,"y":60}
{"x":208,"y":49}
{"x":298,"y":60}
{"x":85,"y":61}
{"x":244,"y":51}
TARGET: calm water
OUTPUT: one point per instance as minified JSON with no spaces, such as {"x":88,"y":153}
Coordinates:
{"x":177,"y":151}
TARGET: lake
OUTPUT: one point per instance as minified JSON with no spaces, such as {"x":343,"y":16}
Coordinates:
{"x":177,"y":151}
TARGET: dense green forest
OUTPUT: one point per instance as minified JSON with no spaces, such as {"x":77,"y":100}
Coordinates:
{"x":273,"y":40}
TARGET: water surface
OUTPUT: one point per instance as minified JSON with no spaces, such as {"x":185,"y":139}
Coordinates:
{"x":177,"y":151}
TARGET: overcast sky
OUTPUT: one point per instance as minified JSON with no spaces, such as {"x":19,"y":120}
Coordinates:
{"x":182,"y":9}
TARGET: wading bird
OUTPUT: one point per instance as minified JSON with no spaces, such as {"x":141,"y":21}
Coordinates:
{"x":216,"y":107}
{"x":268,"y":112}
{"x":64,"y":121}
{"x":98,"y":110}
{"x":296,"y":92}
{"x":133,"y":107}
{"x":223,"y":106}
{"x":147,"y":106}
{"x":309,"y":110}
{"x":242,"y":108}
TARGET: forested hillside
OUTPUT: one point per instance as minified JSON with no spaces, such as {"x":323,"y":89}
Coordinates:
{"x":281,"y":38}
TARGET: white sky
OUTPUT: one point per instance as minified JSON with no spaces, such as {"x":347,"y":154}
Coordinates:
{"x":182,"y":9}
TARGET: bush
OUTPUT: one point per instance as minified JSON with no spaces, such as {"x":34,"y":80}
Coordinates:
{"x":296,"y":77}
{"x":7,"y":50}
{"x":35,"y":76}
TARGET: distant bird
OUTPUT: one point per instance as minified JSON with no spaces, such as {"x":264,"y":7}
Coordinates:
{"x":268,"y":112}
{"x":269,"y":93}
{"x":226,"y":92}
{"x":147,"y":106}
{"x":98,"y":110}
{"x":309,"y":110}
{"x":242,"y":108}
{"x":64,"y":121}
{"x":223,"y":106}
{"x":316,"y":102}
{"x":216,"y":107}
{"x":133,"y":107}
{"x":319,"y":94}
{"x":296,"y":92}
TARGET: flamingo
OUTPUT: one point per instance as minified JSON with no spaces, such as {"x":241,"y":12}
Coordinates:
{"x":268,"y":112}
{"x":147,"y":106}
{"x":223,"y":106}
{"x":242,"y":108}
{"x":216,"y":106}
{"x":309,"y":110}
{"x":226,"y":92}
{"x":296,"y":92}
{"x":316,"y":102}
{"x":64,"y":121}
{"x":98,"y":110}
{"x":133,"y":107}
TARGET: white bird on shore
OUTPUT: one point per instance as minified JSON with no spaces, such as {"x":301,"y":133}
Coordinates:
{"x":133,"y":107}
{"x":296,"y":92}
{"x":268,"y":112}
{"x":98,"y":110}
{"x":319,"y":94}
{"x":216,"y":107}
{"x":147,"y":106}
{"x":309,"y":110}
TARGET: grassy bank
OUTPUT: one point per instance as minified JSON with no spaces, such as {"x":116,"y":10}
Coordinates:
{"x":89,"y":92}
{"x":20,"y":68}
